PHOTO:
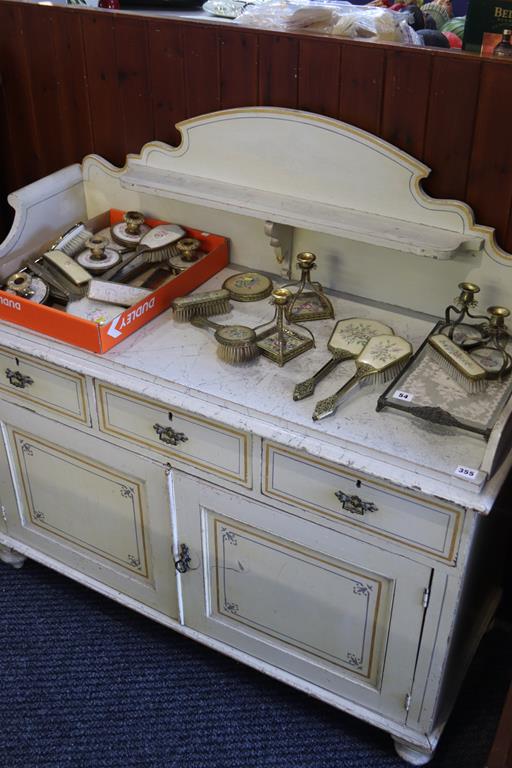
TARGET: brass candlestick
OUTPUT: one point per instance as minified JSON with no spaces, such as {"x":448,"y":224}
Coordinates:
{"x":98,"y":257}
{"x":466,"y":335}
{"x":284,"y":339}
{"x":462,"y":305}
{"x":492,"y":354}
{"x":129,"y":231}
{"x":188,"y":250}
{"x":497,"y":329}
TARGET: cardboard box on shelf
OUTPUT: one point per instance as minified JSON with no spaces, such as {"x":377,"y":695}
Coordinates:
{"x":485,"y":22}
{"x":100,"y":338}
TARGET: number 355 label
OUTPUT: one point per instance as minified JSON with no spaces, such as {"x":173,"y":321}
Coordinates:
{"x":466,"y":472}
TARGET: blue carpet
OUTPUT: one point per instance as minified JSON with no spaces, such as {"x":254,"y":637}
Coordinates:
{"x":86,"y":683}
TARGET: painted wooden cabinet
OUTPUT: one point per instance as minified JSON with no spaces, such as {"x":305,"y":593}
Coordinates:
{"x":236,"y":532}
{"x":324,"y":607}
{"x":101,"y":512}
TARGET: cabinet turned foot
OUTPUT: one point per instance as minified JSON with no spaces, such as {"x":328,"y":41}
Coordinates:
{"x":11,"y":557}
{"x":411,"y":754}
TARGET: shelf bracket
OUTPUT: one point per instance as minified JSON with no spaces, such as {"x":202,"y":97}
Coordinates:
{"x":281,"y":239}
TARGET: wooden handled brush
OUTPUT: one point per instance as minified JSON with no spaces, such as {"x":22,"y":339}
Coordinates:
{"x":380,"y":361}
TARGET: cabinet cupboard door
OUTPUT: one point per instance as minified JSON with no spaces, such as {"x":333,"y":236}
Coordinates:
{"x":100,"y":510}
{"x":323,"y":606}
{"x":7,"y":497}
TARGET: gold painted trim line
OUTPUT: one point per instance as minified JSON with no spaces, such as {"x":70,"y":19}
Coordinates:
{"x":83,"y":417}
{"x":452,"y":511}
{"x":217,"y":521}
{"x":243,"y":438}
{"x":116,"y":478}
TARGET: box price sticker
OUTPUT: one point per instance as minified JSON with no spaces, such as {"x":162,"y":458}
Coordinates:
{"x":405,"y":397}
{"x":466,"y":472}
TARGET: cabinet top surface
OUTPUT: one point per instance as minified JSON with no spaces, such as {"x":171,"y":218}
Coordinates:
{"x":177,"y":364}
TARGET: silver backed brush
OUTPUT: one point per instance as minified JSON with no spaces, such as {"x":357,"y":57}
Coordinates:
{"x":458,"y":364}
{"x":73,"y":241}
{"x":380,"y":361}
{"x":203,"y":304}
{"x":61,"y":288}
{"x":156,"y":246}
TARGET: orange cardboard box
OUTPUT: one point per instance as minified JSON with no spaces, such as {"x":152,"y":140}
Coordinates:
{"x":100,"y":338}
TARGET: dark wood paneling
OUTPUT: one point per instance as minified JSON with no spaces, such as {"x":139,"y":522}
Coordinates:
{"x":74,"y":111}
{"x":9,"y":171}
{"x":6,"y":166}
{"x":406,"y":98}
{"x":361,"y":86}
{"x":133,"y":83}
{"x":238,"y":68}
{"x":38,"y":26}
{"x":319,"y":72}
{"x":167,"y":78}
{"x":202,"y":70}
{"x":278,"y":70}
{"x":104,"y":93}
{"x":76,"y":81}
{"x":22,"y":156}
{"x":451,"y":116}
{"x":489,"y":189}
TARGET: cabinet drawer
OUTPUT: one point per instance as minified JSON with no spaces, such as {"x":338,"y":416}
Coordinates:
{"x":43,"y":384}
{"x":192,"y":439}
{"x":312,"y":484}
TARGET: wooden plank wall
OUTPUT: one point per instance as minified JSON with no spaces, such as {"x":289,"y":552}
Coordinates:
{"x":75,"y":81}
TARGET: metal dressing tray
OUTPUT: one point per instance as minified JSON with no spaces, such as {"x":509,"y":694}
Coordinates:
{"x":424,"y":389}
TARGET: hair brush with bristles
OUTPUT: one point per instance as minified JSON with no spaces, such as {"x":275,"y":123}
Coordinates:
{"x":201,"y":304}
{"x":458,"y":364}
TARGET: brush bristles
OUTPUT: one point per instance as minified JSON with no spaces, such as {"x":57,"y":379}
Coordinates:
{"x":239,"y":353}
{"x":75,"y":244}
{"x":382,"y":377}
{"x":458,"y":364}
{"x":202,"y":304}
{"x":207,"y":309}
{"x":471,"y":386}
{"x":156,"y":255}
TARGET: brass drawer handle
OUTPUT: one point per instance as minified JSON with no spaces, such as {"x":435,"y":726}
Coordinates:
{"x":354,"y":504}
{"x":17,"y":379}
{"x":169,"y":435}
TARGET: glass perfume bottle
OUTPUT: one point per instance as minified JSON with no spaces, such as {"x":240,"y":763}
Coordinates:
{"x":308,"y":302}
{"x":281,"y":339}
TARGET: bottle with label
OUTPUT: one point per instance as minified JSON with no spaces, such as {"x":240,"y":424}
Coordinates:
{"x":504,"y":48}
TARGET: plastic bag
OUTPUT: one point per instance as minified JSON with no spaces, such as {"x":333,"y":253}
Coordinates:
{"x":341,"y":19}
{"x":288,"y":14}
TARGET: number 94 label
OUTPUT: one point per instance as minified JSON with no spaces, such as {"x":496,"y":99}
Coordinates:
{"x":405,"y":397}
